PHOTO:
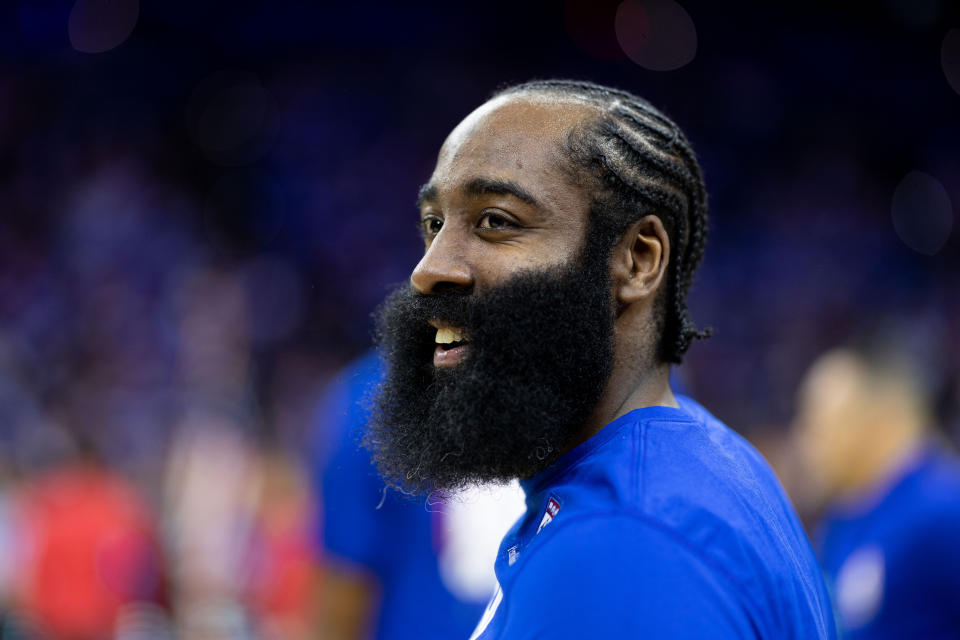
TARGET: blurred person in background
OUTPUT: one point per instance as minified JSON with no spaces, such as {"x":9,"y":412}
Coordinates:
{"x":889,"y":488}
{"x":92,"y":565}
{"x":237,"y":507}
{"x":213,"y":473}
{"x":281,"y":572}
{"x":393,"y":567}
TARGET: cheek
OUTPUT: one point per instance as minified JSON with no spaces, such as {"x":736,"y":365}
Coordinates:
{"x":554,"y":247}
{"x":494,"y":268}
{"x":495,"y":264}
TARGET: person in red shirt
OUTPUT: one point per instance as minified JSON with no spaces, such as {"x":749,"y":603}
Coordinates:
{"x":92,"y":553}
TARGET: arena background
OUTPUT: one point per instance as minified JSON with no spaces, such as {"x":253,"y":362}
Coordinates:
{"x":202,"y":203}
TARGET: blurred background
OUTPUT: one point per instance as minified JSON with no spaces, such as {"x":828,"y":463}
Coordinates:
{"x":202,"y":203}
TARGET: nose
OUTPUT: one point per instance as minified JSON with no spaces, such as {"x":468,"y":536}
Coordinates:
{"x":442,"y":268}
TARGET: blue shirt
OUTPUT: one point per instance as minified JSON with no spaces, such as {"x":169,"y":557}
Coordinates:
{"x":893,"y":559}
{"x":392,"y":537}
{"x":665,"y":524}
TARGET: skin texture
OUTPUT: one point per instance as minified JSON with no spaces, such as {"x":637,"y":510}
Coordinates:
{"x":477,"y":238}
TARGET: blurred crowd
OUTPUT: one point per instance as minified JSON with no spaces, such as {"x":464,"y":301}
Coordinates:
{"x":133,"y":431}
{"x":196,"y":222}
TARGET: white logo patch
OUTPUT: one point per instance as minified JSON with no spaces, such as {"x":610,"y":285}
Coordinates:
{"x":475,"y":522}
{"x":860,"y":587}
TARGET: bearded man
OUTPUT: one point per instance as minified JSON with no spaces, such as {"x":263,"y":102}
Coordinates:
{"x":563,"y":224}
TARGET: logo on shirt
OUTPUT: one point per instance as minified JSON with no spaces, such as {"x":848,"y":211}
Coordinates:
{"x":553,"y":508}
{"x":512,"y":554}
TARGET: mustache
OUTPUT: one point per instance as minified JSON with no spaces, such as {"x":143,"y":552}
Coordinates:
{"x":458,"y":308}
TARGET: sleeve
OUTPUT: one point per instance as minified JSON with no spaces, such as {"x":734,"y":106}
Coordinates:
{"x":621,"y":577}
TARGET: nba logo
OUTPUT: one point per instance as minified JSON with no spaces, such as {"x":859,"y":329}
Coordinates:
{"x":553,"y":508}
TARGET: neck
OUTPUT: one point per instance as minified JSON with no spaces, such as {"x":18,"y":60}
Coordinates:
{"x":625,"y":391}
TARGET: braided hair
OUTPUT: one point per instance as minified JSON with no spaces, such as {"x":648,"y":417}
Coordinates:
{"x":640,"y":163}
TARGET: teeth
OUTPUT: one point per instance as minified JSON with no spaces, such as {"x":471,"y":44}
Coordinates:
{"x":446,"y":335}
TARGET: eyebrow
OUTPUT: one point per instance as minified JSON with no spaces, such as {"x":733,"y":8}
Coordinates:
{"x":479,"y":187}
{"x":427,"y":193}
{"x":483,"y":186}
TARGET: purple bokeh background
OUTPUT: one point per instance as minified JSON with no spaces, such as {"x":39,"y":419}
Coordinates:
{"x":201,"y":204}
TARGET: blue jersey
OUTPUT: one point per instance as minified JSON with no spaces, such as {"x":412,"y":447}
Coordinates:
{"x":379,"y":532}
{"x":893,"y":559}
{"x":665,"y":524}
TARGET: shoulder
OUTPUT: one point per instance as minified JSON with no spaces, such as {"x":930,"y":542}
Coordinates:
{"x":702,"y":444}
{"x":705,"y":482}
{"x":701,"y":504}
{"x":688,"y":473}
{"x":702,"y":469}
{"x":616,"y":573}
{"x":604,"y":544}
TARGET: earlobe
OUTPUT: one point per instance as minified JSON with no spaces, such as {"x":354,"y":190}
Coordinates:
{"x":641,"y":260}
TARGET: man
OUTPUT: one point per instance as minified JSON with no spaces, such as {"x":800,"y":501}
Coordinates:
{"x":888,"y":541}
{"x":563,"y":224}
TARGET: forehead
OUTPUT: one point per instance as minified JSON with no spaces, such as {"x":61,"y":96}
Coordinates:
{"x":518,"y":138}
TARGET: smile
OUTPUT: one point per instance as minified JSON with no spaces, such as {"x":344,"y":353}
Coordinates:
{"x":452,"y":345}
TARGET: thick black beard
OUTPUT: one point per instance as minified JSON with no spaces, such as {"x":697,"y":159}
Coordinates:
{"x":541,"y":351}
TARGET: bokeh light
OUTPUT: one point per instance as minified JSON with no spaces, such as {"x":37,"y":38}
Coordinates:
{"x":658,"y":35}
{"x":590,"y":24}
{"x":96,"y":26}
{"x":950,"y":58}
{"x":922,"y":213}
{"x":231,"y":117}
{"x":917,"y":14}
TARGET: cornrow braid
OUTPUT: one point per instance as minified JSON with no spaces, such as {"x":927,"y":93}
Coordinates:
{"x":641,"y":164}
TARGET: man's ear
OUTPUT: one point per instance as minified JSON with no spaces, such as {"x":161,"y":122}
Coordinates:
{"x":640,"y":260}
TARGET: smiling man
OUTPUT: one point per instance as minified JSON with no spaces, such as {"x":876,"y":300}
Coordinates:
{"x":563,"y":225}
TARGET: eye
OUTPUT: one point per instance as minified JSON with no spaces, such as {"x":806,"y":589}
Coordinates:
{"x":431,"y":225}
{"x":491,"y":220}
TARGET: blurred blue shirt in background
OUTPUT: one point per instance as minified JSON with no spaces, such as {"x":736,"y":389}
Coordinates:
{"x":892,"y":558}
{"x":399,"y":540}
